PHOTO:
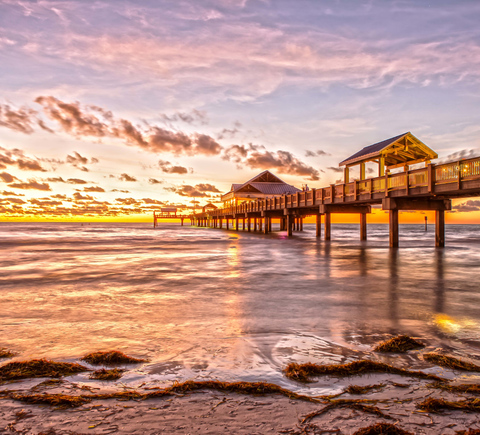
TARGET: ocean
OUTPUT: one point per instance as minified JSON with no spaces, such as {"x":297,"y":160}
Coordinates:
{"x":204,"y":303}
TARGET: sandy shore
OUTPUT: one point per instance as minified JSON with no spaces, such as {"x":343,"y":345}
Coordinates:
{"x":213,"y":412}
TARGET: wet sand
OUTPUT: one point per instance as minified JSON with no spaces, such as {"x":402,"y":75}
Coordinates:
{"x":213,"y":412}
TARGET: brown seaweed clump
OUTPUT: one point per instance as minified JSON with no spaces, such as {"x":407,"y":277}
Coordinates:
{"x":399,"y":344}
{"x":450,"y":362}
{"x":437,"y":405}
{"x":111,"y":357}
{"x":5,"y":353}
{"x":359,"y":389}
{"x":468,"y":432}
{"x":39,"y":368}
{"x":303,"y":372}
{"x":358,"y":405}
{"x":460,"y":388}
{"x":107,"y":375}
{"x":58,"y":400}
{"x":382,"y":429}
{"x":254,"y":388}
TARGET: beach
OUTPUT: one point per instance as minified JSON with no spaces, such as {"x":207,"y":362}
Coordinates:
{"x":202,"y":304}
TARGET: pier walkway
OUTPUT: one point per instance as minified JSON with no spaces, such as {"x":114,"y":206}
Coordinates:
{"x":429,"y":188}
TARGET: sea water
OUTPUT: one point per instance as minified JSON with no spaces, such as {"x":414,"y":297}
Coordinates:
{"x":204,"y":303}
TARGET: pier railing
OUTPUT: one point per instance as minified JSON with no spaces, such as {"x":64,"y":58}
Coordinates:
{"x":448,"y":179}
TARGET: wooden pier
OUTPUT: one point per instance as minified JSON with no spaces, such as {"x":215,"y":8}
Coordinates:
{"x":429,"y":188}
{"x":169,"y":213}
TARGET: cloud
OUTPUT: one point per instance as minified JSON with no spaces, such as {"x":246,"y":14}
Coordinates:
{"x":16,"y":157}
{"x":93,"y":189}
{"x":79,"y":197}
{"x":189,"y":118}
{"x":207,"y":188}
{"x":6,"y":193}
{"x":78,"y":161}
{"x":93,"y":121}
{"x":126,"y":177}
{"x":257,"y":157}
{"x":187,"y":190}
{"x":168,"y":168}
{"x":7,"y":178}
{"x":32,"y":184}
{"x":152,"y":201}
{"x":316,"y":153}
{"x":21,"y":120}
{"x":470,"y":205}
{"x":118,"y":190}
{"x":154,"y":181}
{"x":76,"y":181}
{"x":335,"y":169}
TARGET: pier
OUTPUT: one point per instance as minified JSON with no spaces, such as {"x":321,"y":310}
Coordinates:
{"x":430,"y":188}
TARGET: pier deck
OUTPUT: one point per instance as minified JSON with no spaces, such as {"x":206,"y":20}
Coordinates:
{"x":429,"y":188}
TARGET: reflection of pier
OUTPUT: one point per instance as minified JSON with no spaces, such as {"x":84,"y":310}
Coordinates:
{"x":429,"y":188}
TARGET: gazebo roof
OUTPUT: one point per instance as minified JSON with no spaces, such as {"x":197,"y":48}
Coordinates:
{"x":397,"y":151}
{"x":263,"y":183}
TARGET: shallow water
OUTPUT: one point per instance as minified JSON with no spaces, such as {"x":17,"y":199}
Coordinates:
{"x":205,"y":303}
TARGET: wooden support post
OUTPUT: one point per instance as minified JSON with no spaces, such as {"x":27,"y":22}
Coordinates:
{"x":249,"y":224}
{"x":243,"y":224}
{"x":289,"y":224}
{"x":154,"y":220}
{"x":381,"y":166}
{"x":297,"y":224}
{"x":301,"y":223}
{"x":260,"y":224}
{"x":328,"y":224}
{"x":227,"y":222}
{"x":362,"y":171}
{"x":319,"y":225}
{"x":393,"y":228}
{"x":440,"y":228}
{"x":182,"y":221}
{"x":236,"y":223}
{"x":363,"y":226}
{"x":254,"y":224}
{"x":265,"y":226}
{"x":346,"y":175}
{"x":220,"y":222}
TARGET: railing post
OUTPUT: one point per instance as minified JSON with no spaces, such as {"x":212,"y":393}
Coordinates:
{"x":431,"y":177}
{"x":459,"y":183}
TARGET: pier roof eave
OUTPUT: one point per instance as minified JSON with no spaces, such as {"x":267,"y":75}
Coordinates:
{"x":397,"y":151}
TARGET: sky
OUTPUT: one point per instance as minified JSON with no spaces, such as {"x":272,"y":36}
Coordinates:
{"x":112,"y":109}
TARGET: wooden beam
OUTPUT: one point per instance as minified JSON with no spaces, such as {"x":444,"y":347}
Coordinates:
{"x":344,"y":208}
{"x":416,"y":204}
{"x":440,"y":228}
{"x":318,"y":232}
{"x":328,"y":223}
{"x":393,"y":227}
{"x":363,"y":226}
{"x":289,"y":224}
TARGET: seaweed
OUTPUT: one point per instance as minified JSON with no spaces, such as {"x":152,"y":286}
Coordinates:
{"x":358,"y":405}
{"x":437,"y":405}
{"x":60,"y":401}
{"x":399,"y":344}
{"x":111,"y":357}
{"x":39,"y":368}
{"x":5,"y":353}
{"x":358,"y":389}
{"x":254,"y":388}
{"x":107,"y":375}
{"x":468,"y":432}
{"x":303,"y":372}
{"x":382,"y":429}
{"x":461,"y":388}
{"x":450,"y":362}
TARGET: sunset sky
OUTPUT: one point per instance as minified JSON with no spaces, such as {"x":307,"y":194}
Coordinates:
{"x":110,"y":109}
